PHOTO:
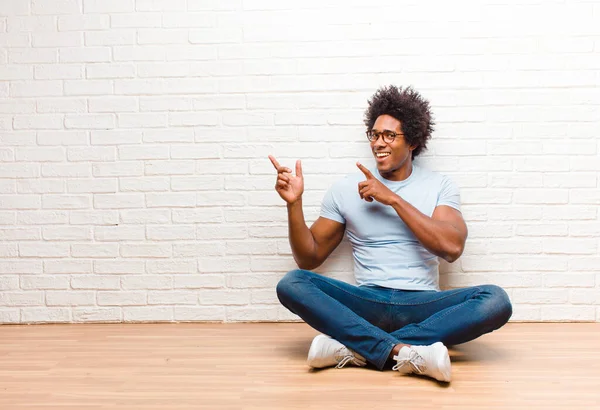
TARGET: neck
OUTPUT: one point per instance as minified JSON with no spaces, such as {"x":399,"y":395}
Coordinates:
{"x":401,"y":173}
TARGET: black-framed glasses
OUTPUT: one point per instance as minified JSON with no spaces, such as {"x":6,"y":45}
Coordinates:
{"x":388,"y":136}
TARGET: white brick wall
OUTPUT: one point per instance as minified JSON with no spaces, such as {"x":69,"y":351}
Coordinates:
{"x":134,"y":134}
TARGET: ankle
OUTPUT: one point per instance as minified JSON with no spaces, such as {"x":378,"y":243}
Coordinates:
{"x":396,"y":349}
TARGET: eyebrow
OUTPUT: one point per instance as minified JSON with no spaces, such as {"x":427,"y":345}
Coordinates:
{"x":375,"y":129}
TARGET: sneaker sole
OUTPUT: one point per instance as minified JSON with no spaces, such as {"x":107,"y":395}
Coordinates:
{"x":444,"y":362}
{"x":314,"y":347}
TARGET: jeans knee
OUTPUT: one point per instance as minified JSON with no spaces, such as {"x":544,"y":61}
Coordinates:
{"x":498,"y":307}
{"x":289,"y":285}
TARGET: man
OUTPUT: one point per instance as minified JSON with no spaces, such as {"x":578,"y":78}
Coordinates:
{"x":399,"y":218}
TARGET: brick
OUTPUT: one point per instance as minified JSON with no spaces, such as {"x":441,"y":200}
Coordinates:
{"x":96,"y":314}
{"x":122,"y":298}
{"x":70,"y":298}
{"x":111,"y":37}
{"x":95,"y":282}
{"x":60,"y":39}
{"x":183,"y":250}
{"x":22,"y":298}
{"x":96,"y":217}
{"x":204,"y":281}
{"x":146,"y":250}
{"x":224,"y":297}
{"x":30,"y":55}
{"x":104,"y":250}
{"x":110,"y":71}
{"x":134,"y":152}
{"x":20,"y":266}
{"x":118,"y":267}
{"x":63,"y":201}
{"x":161,"y":5}
{"x":82,"y":55}
{"x":135,"y":20}
{"x":91,"y":154}
{"x":202,"y":313}
{"x":45,"y":315}
{"x":119,"y":233}
{"x":19,"y":138}
{"x":40,"y":154}
{"x":144,"y":184}
{"x":108,"y":6}
{"x":143,"y":282}
{"x":172,"y":266}
{"x":119,"y":201}
{"x":170,"y":135}
{"x":42,"y":218}
{"x":62,"y":137}
{"x":31,"y":23}
{"x":145,"y":216}
{"x":83,"y":22}
{"x":61,"y":105}
{"x":88,"y":87}
{"x":67,"y":267}
{"x":203,"y":216}
{"x":196,"y":151}
{"x":14,"y":72}
{"x":19,"y":201}
{"x":148,"y":314}
{"x":113,"y":104}
{"x":170,"y":233}
{"x":178,"y":200}
{"x":56,"y":7}
{"x":72,"y":233}
{"x":90,"y":121}
{"x":113,"y":137}
{"x":172,"y":298}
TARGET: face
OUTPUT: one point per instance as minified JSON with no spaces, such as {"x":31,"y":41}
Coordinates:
{"x":395,"y":158}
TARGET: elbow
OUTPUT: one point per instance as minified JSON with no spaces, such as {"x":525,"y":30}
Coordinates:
{"x":307,"y":264}
{"x":453,"y":253}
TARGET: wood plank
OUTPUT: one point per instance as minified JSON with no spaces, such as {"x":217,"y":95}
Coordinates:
{"x":263,"y":366}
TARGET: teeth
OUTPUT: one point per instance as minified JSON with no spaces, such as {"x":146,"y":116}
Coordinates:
{"x":382,"y":154}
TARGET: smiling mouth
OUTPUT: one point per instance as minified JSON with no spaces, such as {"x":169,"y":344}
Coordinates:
{"x":382,"y":154}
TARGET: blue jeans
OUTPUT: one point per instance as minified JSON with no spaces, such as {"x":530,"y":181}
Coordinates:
{"x":371,"y":320}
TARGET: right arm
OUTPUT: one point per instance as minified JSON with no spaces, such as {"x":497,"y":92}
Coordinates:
{"x":310,"y":247}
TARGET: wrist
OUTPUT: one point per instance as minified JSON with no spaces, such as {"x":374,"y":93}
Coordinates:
{"x":396,"y":200}
{"x":295,"y":204}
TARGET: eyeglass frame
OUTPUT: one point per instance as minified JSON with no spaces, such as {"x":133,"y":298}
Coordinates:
{"x":373,"y":136}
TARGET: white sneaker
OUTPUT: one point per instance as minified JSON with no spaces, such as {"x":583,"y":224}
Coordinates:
{"x":325,"y":352}
{"x":432,"y":361}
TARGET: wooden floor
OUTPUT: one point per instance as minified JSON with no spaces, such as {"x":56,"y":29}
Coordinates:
{"x":262,"y":366}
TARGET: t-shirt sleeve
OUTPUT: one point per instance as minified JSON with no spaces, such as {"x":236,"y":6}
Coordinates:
{"x":449,"y":194}
{"x":330,"y":206}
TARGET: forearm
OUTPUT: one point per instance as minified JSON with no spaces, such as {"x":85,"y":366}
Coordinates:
{"x":301,"y":238}
{"x":440,"y":238}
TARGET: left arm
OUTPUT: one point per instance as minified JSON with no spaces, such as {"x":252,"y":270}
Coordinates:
{"x":444,"y":234}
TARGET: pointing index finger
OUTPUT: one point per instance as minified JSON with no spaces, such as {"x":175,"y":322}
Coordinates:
{"x":365,"y":170}
{"x":274,"y":162}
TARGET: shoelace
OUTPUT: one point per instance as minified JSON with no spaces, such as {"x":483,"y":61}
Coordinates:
{"x":343,"y":358}
{"x":417,"y":362}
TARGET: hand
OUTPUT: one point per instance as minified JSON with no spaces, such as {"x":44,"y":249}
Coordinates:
{"x":373,"y":189}
{"x":289,"y":187}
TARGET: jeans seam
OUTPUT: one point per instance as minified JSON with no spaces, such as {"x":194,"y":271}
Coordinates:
{"x":437,"y":319}
{"x":349,"y":293}
{"x":438,"y":299}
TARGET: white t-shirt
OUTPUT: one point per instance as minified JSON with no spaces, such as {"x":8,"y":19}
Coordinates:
{"x":386,"y":252}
